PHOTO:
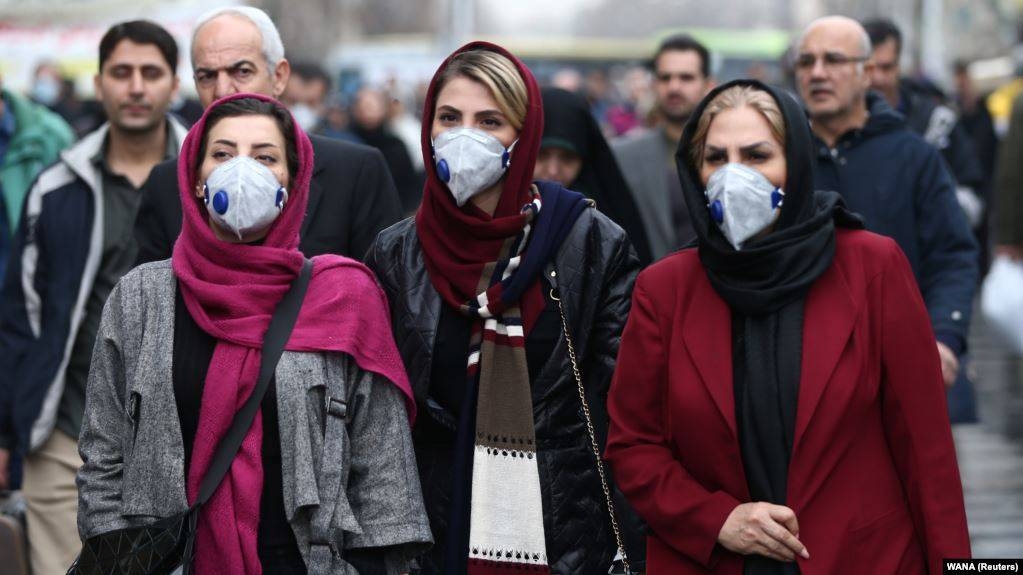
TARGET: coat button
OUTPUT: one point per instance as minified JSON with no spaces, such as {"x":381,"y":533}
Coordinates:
{"x":957,"y":315}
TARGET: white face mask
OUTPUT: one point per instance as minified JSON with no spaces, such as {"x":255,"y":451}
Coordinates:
{"x":305,"y":116}
{"x":46,"y":90}
{"x":243,"y":196}
{"x":469,"y":161}
{"x":742,"y":202}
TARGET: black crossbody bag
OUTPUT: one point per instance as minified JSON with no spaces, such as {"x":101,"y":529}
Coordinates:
{"x":166,"y":545}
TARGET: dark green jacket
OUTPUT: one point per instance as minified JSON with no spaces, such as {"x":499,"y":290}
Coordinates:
{"x":39,"y":137}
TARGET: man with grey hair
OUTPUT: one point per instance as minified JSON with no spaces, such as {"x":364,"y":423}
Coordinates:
{"x":889,"y":175}
{"x":351,"y":196}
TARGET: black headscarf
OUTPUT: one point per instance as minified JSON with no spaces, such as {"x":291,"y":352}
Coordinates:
{"x":569,"y":124}
{"x":765,"y":286}
{"x":777,"y":269}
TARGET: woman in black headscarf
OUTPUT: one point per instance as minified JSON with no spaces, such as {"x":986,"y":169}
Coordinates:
{"x":574,"y":153}
{"x":778,"y":405}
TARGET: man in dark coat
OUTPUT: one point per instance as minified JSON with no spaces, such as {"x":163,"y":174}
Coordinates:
{"x":927,"y":115}
{"x":888,"y":174}
{"x":351,"y":196}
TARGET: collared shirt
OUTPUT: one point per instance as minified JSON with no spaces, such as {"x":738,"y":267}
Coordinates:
{"x":120,"y":205}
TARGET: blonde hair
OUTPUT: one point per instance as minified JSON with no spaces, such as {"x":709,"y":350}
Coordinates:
{"x":731,"y":99}
{"x":498,"y":74}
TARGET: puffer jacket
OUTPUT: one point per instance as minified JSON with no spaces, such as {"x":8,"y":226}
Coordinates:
{"x":593,"y":274}
{"x":901,"y":187}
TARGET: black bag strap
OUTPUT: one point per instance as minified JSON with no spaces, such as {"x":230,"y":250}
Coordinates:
{"x":276,"y":337}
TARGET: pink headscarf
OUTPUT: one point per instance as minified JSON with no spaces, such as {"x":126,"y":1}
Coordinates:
{"x":231,"y":291}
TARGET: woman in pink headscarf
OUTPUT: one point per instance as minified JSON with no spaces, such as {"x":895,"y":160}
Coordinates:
{"x":314,"y":487}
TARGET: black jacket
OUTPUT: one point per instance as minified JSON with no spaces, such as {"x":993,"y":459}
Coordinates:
{"x":941,"y":127}
{"x":593,"y":272}
{"x":351,"y":198}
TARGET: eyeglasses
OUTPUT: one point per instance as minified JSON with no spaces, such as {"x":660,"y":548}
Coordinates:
{"x":830,"y":60}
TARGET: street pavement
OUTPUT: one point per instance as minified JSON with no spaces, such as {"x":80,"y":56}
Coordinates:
{"x":991,"y":452}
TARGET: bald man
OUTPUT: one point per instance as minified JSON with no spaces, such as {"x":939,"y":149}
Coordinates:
{"x":889,"y":175}
{"x":351,"y":195}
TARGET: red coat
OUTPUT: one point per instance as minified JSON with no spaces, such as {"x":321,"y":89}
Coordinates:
{"x":873,"y":478}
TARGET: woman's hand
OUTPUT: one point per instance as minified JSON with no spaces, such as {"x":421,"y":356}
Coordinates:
{"x":764,"y":529}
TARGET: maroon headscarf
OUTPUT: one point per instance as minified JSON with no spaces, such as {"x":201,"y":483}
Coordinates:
{"x":231,"y":291}
{"x":458,"y":242}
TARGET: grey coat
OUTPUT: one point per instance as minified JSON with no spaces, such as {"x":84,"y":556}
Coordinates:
{"x":655,"y":185}
{"x":133,"y":470}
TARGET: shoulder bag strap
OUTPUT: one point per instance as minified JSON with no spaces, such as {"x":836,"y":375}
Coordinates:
{"x":593,"y":437}
{"x":276,"y":337}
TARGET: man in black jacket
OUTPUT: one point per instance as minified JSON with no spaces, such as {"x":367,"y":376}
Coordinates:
{"x":351,"y":196}
{"x":934,"y":121}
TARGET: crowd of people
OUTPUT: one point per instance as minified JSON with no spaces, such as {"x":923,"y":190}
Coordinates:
{"x":708,"y":329}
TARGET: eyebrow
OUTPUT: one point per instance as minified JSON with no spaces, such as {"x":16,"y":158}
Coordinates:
{"x":233,"y":66}
{"x":260,"y":145}
{"x":753,"y":146}
{"x":450,"y":108}
{"x":133,"y":65}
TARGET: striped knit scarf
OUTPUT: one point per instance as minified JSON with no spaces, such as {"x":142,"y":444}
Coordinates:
{"x":506,"y":520}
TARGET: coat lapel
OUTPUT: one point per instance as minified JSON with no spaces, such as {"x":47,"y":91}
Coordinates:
{"x":830,"y":315}
{"x":707,"y":334}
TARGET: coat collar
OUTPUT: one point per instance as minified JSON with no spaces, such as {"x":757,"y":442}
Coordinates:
{"x":829,"y":317}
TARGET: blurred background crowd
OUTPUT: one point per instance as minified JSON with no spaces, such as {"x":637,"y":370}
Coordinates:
{"x":360,"y":70}
{"x":360,"y":67}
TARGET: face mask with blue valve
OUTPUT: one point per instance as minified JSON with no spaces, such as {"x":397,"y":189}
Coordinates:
{"x":469,"y":161}
{"x":243,"y":196}
{"x":742,"y":202}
